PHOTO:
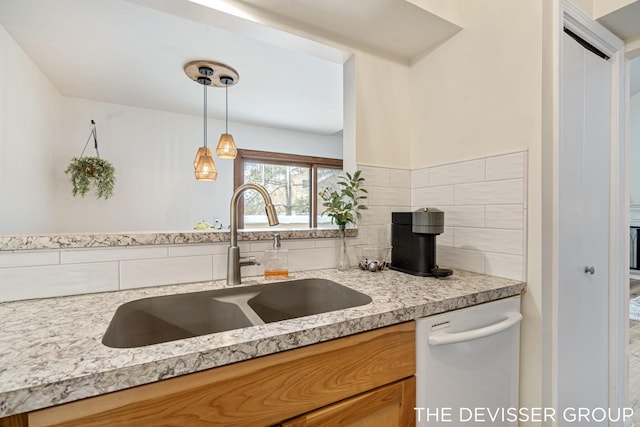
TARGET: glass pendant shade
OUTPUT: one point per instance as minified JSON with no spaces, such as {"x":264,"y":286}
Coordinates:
{"x":201,"y":152}
{"x":226,"y":148}
{"x":206,"y":168}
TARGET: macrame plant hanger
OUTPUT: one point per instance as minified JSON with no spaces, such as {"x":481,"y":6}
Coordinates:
{"x":93,"y":134}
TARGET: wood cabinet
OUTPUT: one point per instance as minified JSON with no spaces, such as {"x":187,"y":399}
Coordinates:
{"x":363,"y":375}
{"x":388,"y":406}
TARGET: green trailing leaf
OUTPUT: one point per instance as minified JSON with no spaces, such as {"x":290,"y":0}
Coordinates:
{"x":342,"y":204}
{"x":87,"y":172}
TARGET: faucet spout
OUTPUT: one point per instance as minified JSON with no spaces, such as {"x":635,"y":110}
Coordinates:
{"x":234,"y":260}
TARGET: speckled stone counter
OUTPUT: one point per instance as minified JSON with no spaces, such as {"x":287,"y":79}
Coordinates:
{"x":51,"y":350}
{"x":97,"y":240}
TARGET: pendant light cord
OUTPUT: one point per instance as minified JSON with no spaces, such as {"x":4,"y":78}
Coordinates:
{"x":226,"y":107}
{"x":205,"y":115}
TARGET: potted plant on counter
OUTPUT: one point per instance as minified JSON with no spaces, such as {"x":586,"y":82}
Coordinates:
{"x":91,"y":172}
{"x":343,"y":205}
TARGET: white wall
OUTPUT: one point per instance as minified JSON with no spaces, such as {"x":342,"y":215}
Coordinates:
{"x":634,"y":148}
{"x":480,"y":94}
{"x":30,"y":131}
{"x":383,"y":110}
{"x":151,"y":150}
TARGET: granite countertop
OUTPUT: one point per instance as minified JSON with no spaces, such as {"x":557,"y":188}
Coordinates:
{"x":139,"y":238}
{"x":51,"y":350}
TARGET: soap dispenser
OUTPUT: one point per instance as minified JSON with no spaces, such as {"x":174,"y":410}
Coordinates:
{"x":276,"y":261}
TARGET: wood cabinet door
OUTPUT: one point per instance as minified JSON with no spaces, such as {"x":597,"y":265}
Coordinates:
{"x":388,"y":406}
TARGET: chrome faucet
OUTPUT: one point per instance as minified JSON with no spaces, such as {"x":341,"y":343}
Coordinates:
{"x":234,"y":260}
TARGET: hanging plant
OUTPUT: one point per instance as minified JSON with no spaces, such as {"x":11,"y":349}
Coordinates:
{"x":91,"y":172}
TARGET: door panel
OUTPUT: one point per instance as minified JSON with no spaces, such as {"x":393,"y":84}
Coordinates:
{"x":583,"y":210}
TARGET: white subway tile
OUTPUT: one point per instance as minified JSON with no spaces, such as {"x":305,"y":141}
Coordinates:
{"x":432,"y":196}
{"x":219,"y":267}
{"x":489,"y":240}
{"x":504,"y":265}
{"x":462,"y":259}
{"x":204,"y":249}
{"x":464,"y":216}
{"x":375,"y":215}
{"x":457,"y":173}
{"x":165,"y":271}
{"x":375,"y":176}
{"x":420,"y":178}
{"x":28,"y":258}
{"x":72,"y":256}
{"x":400,"y":178}
{"x":446,"y":238}
{"x":385,"y":196}
{"x":379,"y":235}
{"x":264,"y":245}
{"x":313,"y":259}
{"x":399,"y":208}
{"x":508,"y":166}
{"x":57,"y":280}
{"x":505,"y":216}
{"x":490,"y":193}
{"x":330,"y":243}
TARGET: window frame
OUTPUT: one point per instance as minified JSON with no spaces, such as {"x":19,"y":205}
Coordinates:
{"x":311,"y":162}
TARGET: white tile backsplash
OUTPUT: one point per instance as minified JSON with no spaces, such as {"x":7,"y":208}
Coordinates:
{"x":74,"y":256}
{"x":504,"y":265}
{"x":191,"y":250}
{"x":28,"y":258}
{"x":484,"y":201}
{"x":165,"y":271}
{"x":485,"y":217}
{"x":400,"y":178}
{"x":490,"y":193}
{"x":489,"y":240}
{"x":419,"y":178}
{"x":57,"y":280}
{"x":457,"y":173}
{"x":505,"y":216}
{"x":508,"y":166}
{"x":432,"y":196}
{"x":463,"y":259}
{"x":375,"y":176}
{"x":464,"y":216}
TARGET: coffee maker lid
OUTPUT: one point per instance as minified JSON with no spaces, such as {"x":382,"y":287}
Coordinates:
{"x":428,"y":221}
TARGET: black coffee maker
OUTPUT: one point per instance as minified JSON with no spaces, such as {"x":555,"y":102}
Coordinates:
{"x":413,"y":241}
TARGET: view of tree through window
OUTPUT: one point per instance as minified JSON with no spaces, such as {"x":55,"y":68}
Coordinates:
{"x":293,"y":183}
{"x":289,"y":187}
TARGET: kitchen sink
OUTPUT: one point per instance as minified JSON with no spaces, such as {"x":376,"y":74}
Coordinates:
{"x":172,"y":317}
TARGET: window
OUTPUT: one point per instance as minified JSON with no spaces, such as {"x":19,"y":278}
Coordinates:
{"x":293,"y":182}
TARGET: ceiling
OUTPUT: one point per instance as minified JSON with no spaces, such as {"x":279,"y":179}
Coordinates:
{"x":625,"y":23}
{"x":393,"y":28}
{"x":120,"y":52}
{"x":132,"y":52}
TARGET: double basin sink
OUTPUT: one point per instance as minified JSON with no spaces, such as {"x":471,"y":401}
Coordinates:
{"x":172,"y":317}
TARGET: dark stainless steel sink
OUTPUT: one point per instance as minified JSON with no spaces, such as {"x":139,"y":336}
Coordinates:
{"x":288,"y":300}
{"x":172,"y":317}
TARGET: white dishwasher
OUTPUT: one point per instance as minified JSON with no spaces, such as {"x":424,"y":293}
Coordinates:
{"x":467,"y":365}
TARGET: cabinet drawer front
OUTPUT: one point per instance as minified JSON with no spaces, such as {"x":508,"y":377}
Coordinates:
{"x":260,"y":391}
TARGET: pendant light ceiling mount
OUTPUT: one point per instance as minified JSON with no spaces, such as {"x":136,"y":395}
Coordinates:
{"x":217,"y":73}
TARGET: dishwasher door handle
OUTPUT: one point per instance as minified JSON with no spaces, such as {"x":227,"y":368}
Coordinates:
{"x":474,"y":334}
